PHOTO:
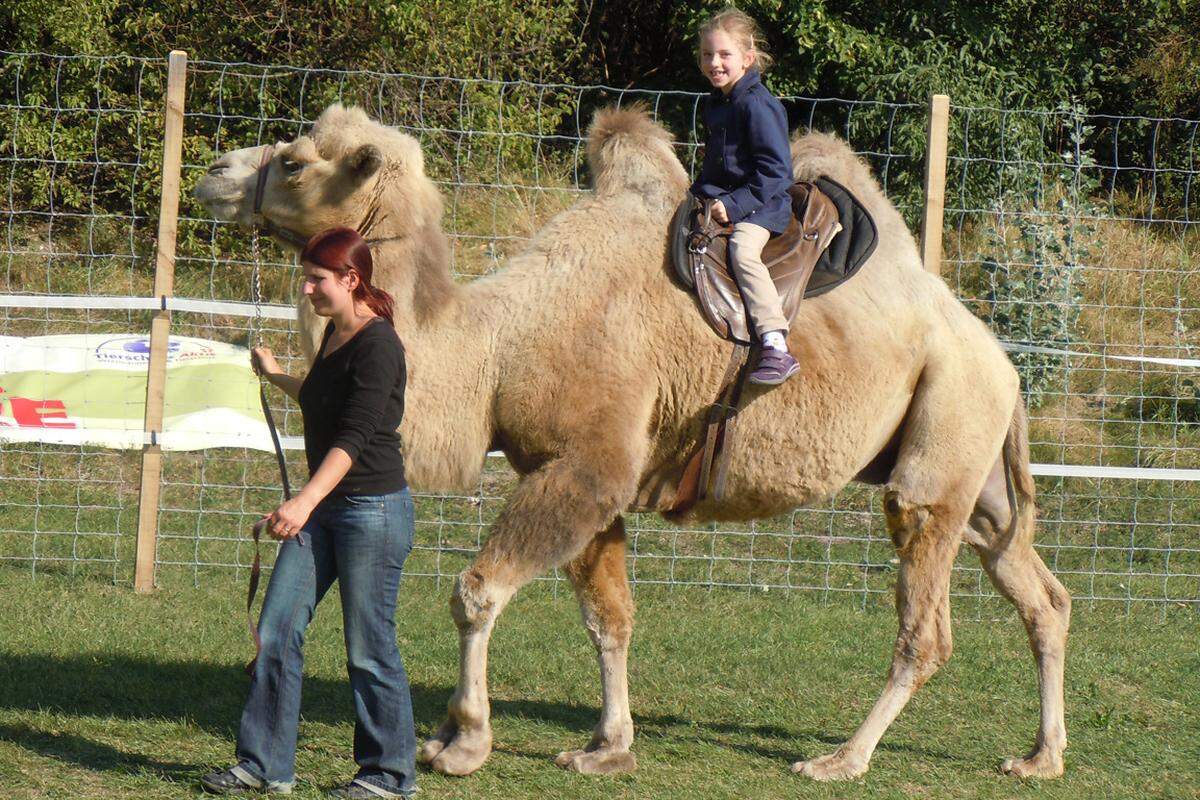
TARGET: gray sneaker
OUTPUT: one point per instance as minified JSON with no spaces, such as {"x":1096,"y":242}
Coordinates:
{"x":236,"y":780}
{"x":361,"y":790}
{"x":774,"y":367}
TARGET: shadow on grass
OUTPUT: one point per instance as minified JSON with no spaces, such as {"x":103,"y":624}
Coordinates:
{"x":207,"y":695}
{"x":783,"y":744}
{"x":210,"y":696}
{"x":69,"y":747}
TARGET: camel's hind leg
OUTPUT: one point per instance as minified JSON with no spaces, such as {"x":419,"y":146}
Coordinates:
{"x":1045,"y":608}
{"x":943,"y":461}
{"x":603,"y":590}
{"x":551,"y":518}
{"x":927,"y":536}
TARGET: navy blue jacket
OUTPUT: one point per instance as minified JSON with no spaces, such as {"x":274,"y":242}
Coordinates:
{"x":747,"y":158}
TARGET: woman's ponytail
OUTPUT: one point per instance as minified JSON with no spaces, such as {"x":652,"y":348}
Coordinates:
{"x":377,"y":300}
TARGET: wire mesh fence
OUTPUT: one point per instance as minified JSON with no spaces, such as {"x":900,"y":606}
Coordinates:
{"x":1073,"y":236}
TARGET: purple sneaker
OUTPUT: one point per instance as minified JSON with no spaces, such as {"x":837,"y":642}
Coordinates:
{"x":774,"y":367}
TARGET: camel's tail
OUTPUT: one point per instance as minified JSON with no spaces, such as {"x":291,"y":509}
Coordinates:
{"x":1018,"y":479}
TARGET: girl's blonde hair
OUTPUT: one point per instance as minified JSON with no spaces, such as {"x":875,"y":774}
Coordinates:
{"x":744,"y":31}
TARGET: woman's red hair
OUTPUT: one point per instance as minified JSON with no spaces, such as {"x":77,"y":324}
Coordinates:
{"x":343,"y":250}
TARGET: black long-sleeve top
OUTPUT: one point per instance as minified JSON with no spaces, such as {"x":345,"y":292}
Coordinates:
{"x":353,"y":398}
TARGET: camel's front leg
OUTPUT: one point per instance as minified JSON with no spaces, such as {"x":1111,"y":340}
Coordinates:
{"x":551,"y":518}
{"x":602,"y":587}
{"x":464,"y":740}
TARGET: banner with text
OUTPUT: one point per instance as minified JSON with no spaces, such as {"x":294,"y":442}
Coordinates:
{"x":91,"y":390}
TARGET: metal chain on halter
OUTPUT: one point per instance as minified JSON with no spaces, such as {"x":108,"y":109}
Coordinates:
{"x":256,"y":295}
{"x":256,"y":335}
{"x":262,"y":379}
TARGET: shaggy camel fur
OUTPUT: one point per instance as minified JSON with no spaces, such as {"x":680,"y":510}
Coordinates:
{"x":592,"y":370}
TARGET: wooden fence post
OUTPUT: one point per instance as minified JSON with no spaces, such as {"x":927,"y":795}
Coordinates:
{"x":160,"y":326}
{"x":935,"y":182}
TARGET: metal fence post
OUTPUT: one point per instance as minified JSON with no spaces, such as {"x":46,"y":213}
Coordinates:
{"x":935,"y":182}
{"x":164,"y":283}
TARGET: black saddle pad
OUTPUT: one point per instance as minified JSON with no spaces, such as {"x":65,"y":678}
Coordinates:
{"x":852,"y":246}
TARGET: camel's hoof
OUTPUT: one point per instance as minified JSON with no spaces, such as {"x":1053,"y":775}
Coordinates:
{"x":1039,"y":764}
{"x":429,"y":751}
{"x":833,"y":767}
{"x":597,"y":762}
{"x":454,"y":751}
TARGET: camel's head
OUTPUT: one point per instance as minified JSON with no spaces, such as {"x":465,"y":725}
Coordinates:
{"x":349,"y":170}
{"x":629,"y":151}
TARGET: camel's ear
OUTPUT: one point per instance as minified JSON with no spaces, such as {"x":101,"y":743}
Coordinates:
{"x":366,"y":161}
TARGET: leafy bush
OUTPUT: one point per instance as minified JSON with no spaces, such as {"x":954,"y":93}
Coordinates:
{"x":1032,"y":262}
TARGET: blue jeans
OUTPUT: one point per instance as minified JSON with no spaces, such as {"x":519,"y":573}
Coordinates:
{"x":360,"y":541}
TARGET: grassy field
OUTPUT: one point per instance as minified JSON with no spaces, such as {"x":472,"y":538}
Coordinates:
{"x":108,"y":694}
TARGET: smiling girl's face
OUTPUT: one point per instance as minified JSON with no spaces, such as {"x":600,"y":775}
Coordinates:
{"x":722,"y":60}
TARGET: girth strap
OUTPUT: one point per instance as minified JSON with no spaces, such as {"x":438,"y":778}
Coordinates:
{"x":721,"y":424}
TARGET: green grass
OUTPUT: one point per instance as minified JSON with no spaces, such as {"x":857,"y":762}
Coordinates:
{"x":108,"y":694}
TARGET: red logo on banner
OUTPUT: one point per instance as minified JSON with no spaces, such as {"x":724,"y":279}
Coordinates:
{"x":38,"y":413}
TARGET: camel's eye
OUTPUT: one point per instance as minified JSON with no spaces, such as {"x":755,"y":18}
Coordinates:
{"x":291,"y":166}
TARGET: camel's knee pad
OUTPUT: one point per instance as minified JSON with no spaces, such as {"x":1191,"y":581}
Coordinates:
{"x":904,"y":517}
{"x":476,"y":601}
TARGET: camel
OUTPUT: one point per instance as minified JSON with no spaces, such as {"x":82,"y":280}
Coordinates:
{"x":591,"y":369}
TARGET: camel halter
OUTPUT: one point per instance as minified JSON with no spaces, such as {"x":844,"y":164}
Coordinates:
{"x":265,"y":225}
{"x":299,"y":240}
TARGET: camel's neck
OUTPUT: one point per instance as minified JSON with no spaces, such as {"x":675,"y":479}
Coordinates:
{"x":449,"y":347}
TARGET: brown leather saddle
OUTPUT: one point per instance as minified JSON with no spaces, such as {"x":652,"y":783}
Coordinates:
{"x":829,"y":239}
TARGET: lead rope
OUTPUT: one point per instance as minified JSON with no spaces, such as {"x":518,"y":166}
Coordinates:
{"x":256,"y":568}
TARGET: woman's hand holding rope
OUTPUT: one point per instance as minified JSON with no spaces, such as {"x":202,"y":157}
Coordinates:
{"x":288,"y":520}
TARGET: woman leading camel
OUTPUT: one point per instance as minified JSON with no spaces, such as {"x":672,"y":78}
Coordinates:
{"x":352,"y":522}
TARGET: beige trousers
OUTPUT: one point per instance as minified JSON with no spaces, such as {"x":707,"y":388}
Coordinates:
{"x":758,"y":290}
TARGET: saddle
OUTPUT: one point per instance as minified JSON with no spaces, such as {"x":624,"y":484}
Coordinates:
{"x":830,"y":237}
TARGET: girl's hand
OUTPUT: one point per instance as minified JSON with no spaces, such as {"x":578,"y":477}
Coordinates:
{"x":263,"y":362}
{"x":719,"y":213}
{"x":286,"y":521}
